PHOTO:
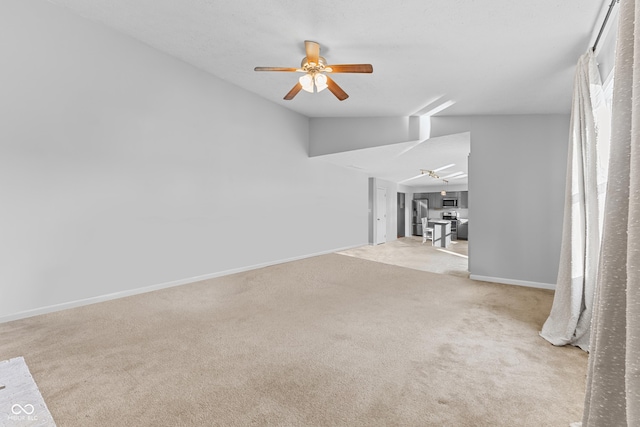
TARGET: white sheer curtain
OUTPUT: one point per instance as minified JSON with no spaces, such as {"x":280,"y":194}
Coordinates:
{"x":570,"y":319}
{"x":613,"y":381}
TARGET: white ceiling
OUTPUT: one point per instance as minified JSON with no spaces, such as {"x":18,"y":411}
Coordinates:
{"x":487,"y":57}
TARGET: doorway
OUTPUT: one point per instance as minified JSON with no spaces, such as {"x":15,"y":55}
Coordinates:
{"x":400,"y":216}
{"x":381,"y":215}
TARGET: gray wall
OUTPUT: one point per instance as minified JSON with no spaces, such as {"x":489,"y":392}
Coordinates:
{"x":516,"y":196}
{"x":122,"y":168}
{"x":329,"y":135}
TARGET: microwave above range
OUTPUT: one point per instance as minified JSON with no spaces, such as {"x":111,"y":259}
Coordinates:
{"x":449,"y":202}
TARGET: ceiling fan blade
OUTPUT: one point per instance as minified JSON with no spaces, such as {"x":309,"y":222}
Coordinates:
{"x":293,"y":92}
{"x":336,"y":90}
{"x":288,"y":69}
{"x":349,"y":68}
{"x":313,"y":51}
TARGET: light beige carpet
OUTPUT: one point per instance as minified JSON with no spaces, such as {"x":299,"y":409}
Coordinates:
{"x":326,"y":341}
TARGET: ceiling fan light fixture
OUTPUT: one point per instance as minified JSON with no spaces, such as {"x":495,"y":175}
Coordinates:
{"x":320,"y":81}
{"x":307,"y":82}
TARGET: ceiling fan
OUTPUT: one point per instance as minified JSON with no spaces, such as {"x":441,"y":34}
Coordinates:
{"x":315,"y":66}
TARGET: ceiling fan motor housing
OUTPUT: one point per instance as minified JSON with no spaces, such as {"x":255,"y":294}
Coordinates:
{"x":311,"y":67}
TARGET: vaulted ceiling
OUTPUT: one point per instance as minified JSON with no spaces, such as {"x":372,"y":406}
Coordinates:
{"x":481,"y":57}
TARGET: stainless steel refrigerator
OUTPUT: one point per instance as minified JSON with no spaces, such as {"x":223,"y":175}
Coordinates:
{"x":420,"y":209}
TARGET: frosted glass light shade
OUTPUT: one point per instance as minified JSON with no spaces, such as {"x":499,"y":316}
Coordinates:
{"x":307,"y":82}
{"x":321,"y":82}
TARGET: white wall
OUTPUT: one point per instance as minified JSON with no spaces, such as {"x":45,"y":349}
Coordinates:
{"x":516,"y":197}
{"x":123,"y":168}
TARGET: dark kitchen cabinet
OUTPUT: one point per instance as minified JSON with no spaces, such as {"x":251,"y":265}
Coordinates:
{"x":463,"y":200}
{"x":435,"y":200}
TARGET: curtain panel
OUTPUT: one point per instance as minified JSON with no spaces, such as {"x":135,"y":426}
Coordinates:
{"x":570,"y":319}
{"x":613,"y":379}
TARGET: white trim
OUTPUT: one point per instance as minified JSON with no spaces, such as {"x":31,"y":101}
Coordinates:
{"x":145,"y":289}
{"x":513,"y":282}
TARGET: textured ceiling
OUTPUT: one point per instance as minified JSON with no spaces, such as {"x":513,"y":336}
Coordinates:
{"x":489,"y":57}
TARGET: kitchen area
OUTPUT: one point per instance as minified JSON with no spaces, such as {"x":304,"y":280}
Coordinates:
{"x":445,"y":251}
{"x":446,"y":216}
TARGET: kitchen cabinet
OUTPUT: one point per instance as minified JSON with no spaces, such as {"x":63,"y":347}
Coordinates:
{"x":463,"y":200}
{"x":451,"y":229}
{"x":441,"y":234}
{"x":435,"y":200}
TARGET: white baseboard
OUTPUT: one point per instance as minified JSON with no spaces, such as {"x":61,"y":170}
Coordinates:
{"x":513,"y":282}
{"x":145,"y":289}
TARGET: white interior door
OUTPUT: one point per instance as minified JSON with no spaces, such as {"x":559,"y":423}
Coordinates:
{"x":381,"y":216}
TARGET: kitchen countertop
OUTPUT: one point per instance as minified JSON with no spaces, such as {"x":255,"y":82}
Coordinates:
{"x":441,"y":221}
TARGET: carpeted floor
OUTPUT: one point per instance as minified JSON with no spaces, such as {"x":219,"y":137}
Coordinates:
{"x":326,"y":341}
